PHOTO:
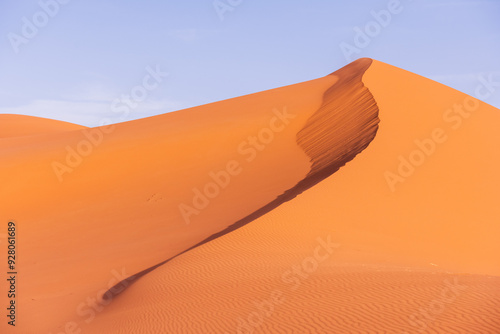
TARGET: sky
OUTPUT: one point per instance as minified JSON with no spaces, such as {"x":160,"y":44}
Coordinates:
{"x":97,"y":62}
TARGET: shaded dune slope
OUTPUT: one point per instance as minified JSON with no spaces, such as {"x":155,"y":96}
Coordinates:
{"x":344,"y":125}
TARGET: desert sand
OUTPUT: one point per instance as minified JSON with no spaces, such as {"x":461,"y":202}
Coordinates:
{"x":360,"y":202}
{"x":19,"y":125}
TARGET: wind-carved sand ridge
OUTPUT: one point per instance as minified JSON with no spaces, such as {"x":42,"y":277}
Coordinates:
{"x":344,"y":125}
{"x":340,"y":129}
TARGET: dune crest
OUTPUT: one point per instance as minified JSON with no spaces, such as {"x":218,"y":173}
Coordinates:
{"x":20,"y":125}
{"x":343,"y":126}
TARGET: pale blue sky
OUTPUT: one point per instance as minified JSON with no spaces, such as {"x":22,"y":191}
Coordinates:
{"x":90,"y":53}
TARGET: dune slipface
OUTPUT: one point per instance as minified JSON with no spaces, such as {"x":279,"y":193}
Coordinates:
{"x":132,"y":230}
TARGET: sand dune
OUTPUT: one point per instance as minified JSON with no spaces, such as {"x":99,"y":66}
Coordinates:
{"x":213,"y":219}
{"x":20,"y":125}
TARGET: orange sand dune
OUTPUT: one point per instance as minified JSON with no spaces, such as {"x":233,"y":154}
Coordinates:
{"x":416,"y":239}
{"x":419,"y":259}
{"x":19,"y":125}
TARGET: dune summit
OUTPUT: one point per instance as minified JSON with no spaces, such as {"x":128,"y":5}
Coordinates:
{"x":126,"y":228}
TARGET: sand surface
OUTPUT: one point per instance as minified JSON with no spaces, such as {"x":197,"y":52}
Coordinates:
{"x":20,"y":125}
{"x":360,"y":202}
